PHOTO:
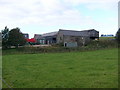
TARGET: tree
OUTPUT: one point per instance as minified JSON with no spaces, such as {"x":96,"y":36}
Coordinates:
{"x":118,"y":35}
{"x":5,"y":36}
{"x":16,"y":38}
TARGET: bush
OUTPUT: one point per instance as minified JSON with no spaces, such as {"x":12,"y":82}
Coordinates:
{"x":94,"y":45}
{"x":103,"y":44}
{"x":118,"y":35}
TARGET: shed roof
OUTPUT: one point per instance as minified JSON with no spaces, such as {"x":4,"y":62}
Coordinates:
{"x":49,"y":34}
{"x":73,"y":32}
{"x":89,"y":30}
{"x":39,"y":36}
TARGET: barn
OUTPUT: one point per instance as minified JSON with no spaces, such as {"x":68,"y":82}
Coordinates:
{"x":69,"y":38}
{"x":73,"y":38}
{"x":47,"y":38}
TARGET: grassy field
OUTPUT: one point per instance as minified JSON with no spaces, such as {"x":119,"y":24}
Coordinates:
{"x":106,"y":38}
{"x":92,"y":69}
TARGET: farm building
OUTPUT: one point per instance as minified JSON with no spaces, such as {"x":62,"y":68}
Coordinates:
{"x":72,"y":38}
{"x":47,"y":38}
{"x":69,"y":38}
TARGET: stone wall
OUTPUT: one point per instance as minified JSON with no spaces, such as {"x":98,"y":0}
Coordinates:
{"x":81,"y":41}
{"x":59,"y":38}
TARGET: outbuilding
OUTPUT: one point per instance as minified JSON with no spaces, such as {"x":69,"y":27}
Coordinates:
{"x":73,"y":38}
{"x":69,"y":38}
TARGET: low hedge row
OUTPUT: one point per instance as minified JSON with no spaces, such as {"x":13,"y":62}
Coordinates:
{"x":94,"y":45}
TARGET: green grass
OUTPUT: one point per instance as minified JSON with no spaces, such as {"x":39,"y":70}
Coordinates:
{"x":106,"y":38}
{"x":92,"y":69}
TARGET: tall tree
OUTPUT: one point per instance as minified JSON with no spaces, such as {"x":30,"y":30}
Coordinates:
{"x":16,"y":38}
{"x":5,"y":36}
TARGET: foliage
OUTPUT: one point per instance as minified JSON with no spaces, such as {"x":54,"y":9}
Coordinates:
{"x":16,"y":38}
{"x":103,"y":43}
{"x":118,"y":35}
{"x":95,"y":45}
{"x":5,"y":36}
{"x":92,"y":69}
{"x":12,"y":38}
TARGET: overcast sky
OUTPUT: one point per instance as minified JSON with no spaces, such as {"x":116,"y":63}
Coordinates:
{"x":119,"y":14}
{"x":42,"y":16}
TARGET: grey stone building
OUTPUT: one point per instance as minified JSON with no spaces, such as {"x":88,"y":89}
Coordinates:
{"x":69,"y":38}
{"x":47,"y":38}
{"x":72,"y":38}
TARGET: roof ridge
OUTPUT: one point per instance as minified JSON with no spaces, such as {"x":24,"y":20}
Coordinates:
{"x":50,"y":32}
{"x":75,"y":30}
{"x":68,"y":30}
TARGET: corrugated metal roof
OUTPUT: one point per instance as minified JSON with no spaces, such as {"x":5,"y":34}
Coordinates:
{"x":89,"y":30}
{"x":65,"y":32}
{"x":49,"y":34}
{"x":73,"y":32}
{"x":40,"y":36}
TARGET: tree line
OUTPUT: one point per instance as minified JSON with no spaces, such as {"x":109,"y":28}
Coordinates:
{"x":13,"y":37}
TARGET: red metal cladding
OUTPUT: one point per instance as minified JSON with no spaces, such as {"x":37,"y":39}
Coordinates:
{"x":31,"y":40}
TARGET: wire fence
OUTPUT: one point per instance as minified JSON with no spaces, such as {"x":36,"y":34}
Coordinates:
{"x":6,"y":84}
